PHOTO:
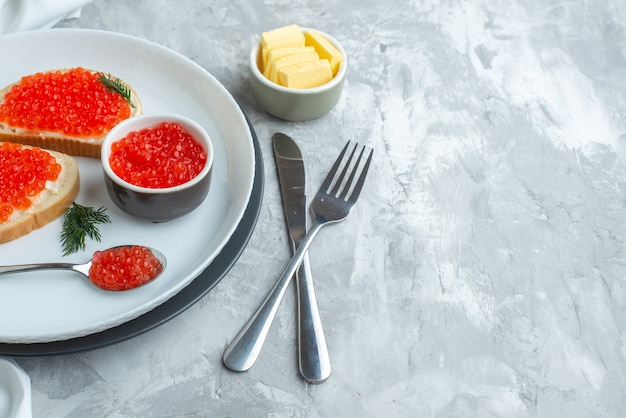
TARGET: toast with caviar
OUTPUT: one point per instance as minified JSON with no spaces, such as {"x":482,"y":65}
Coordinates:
{"x":66,"y":110}
{"x":38,"y":185}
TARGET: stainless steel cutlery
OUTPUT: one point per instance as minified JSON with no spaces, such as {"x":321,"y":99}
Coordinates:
{"x":332,"y":203}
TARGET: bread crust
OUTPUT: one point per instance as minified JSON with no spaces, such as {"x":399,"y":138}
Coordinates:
{"x":80,"y":147}
{"x":49,"y":206}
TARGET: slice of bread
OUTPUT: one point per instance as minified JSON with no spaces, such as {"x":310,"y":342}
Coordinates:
{"x":48,"y":205}
{"x":84,"y":146}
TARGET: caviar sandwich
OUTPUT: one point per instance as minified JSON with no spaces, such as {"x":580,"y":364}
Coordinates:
{"x":68,"y":110}
{"x":37,"y":186}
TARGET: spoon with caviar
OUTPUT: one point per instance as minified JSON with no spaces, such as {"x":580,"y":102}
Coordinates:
{"x":116,"y":269}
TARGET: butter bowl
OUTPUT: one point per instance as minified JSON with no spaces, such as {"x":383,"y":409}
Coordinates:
{"x":296,"y":104}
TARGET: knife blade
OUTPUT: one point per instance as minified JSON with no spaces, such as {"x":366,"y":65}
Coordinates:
{"x":313,"y":355}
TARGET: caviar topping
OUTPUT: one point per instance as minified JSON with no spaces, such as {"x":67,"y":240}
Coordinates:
{"x":160,"y":157}
{"x":124,"y":268}
{"x":23,"y":176}
{"x":71,"y":103}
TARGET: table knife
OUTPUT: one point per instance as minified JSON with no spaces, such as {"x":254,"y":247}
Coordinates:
{"x":314,"y":361}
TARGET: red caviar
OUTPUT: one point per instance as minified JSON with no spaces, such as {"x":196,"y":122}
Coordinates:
{"x":23,"y":176}
{"x":160,"y":157}
{"x":72,"y":103}
{"x":124,"y":268}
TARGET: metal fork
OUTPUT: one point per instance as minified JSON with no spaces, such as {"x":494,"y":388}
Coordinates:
{"x":332,"y":203}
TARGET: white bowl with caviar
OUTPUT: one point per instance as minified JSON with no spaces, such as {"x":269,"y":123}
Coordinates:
{"x":157,"y":167}
{"x":296,"y":103}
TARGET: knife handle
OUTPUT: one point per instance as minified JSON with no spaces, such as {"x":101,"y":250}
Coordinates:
{"x":313,"y":353}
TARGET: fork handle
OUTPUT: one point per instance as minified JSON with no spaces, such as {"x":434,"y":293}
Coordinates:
{"x":312,"y":350}
{"x":245,"y":348}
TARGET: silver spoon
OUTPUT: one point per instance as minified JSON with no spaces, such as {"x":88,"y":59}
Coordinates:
{"x":84,"y":268}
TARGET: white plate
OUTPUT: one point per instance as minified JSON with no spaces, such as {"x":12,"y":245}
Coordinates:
{"x":55,"y":305}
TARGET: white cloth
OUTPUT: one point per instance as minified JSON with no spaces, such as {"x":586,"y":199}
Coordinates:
{"x":22,"y":15}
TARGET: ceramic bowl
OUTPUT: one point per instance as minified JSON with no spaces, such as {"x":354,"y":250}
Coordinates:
{"x":157,"y":204}
{"x":296,"y":104}
{"x":15,"y":393}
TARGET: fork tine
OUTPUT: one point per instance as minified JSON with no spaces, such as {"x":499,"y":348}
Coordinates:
{"x":346,"y":188}
{"x":333,"y":170}
{"x":361,"y":180}
{"x":343,"y":172}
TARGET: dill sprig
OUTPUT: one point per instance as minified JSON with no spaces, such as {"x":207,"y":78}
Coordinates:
{"x":115,"y":85}
{"x":80,"y":222}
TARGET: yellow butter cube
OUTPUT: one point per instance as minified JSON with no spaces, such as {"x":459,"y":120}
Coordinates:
{"x":325,"y":49}
{"x":290,"y":60}
{"x":284,"y":32}
{"x":306,"y":75}
{"x":291,"y":41}
{"x":280,"y":53}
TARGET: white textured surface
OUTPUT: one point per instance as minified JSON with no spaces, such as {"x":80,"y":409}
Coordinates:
{"x":483,"y":271}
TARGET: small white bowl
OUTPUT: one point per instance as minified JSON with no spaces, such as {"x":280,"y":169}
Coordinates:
{"x":296,"y":104}
{"x":15,"y":393}
{"x":157,"y":204}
